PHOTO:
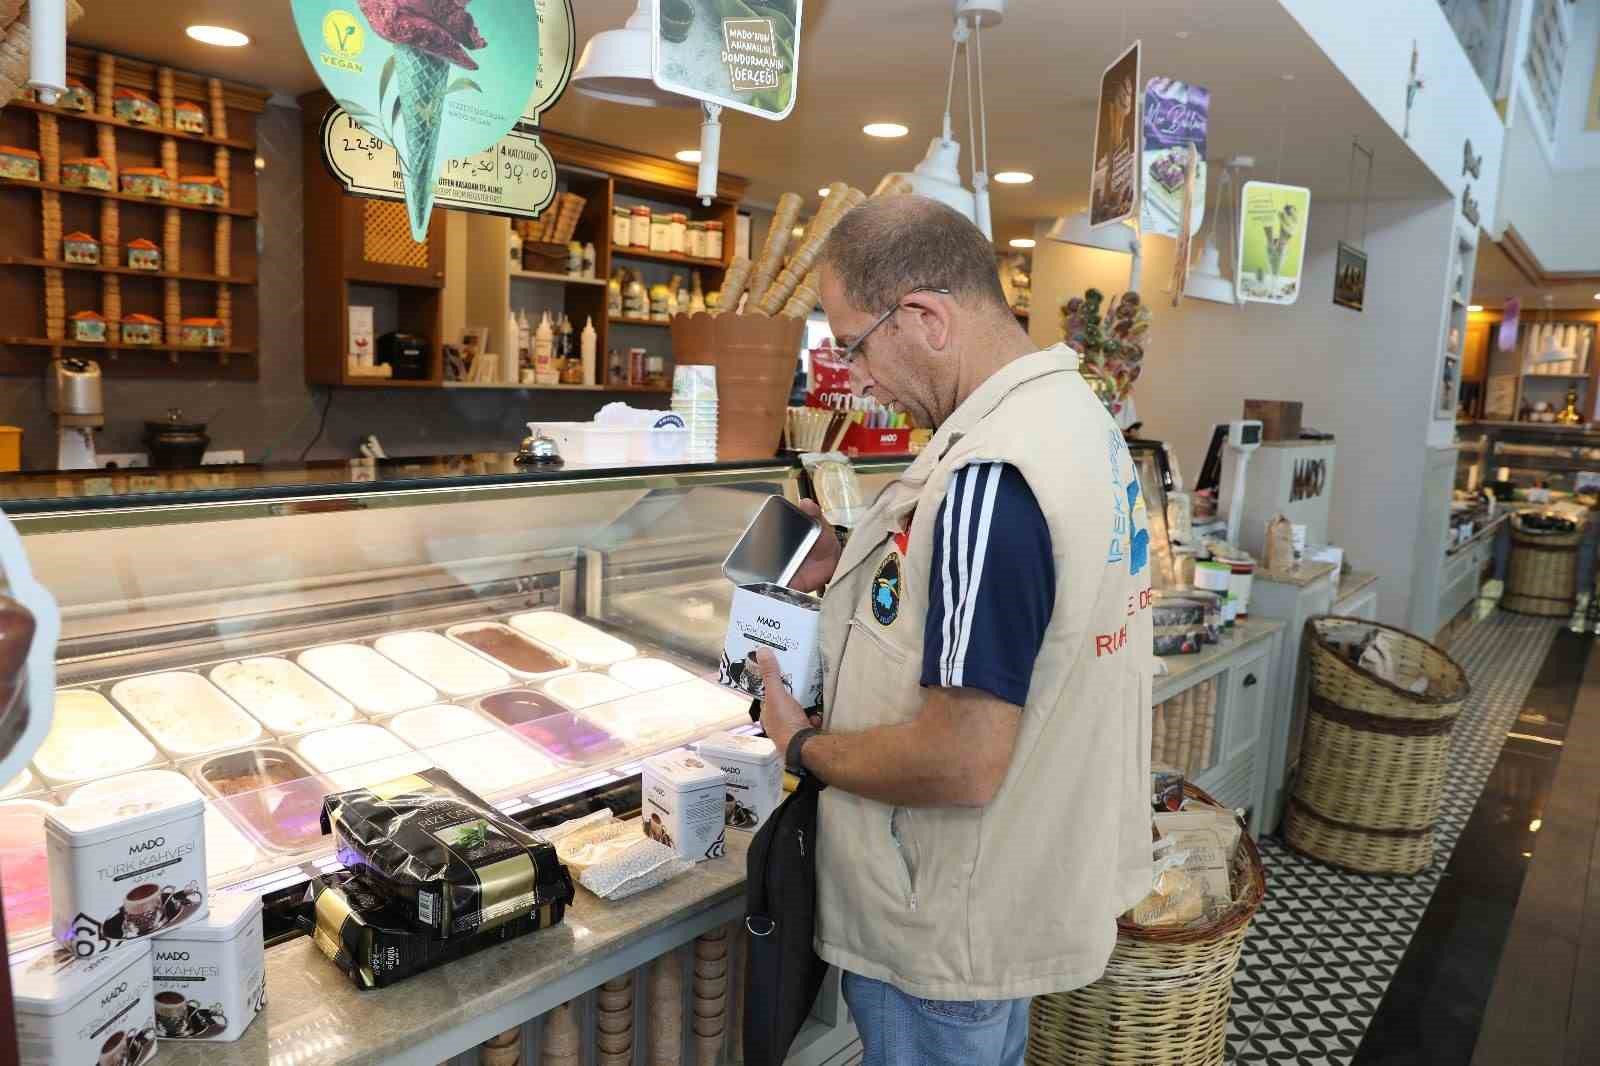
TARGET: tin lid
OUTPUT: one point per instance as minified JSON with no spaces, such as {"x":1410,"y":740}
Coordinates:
{"x":88,"y":316}
{"x":137,"y":319}
{"x":199,"y":179}
{"x":738,"y":746}
{"x":95,"y":823}
{"x":11,"y":149}
{"x":619,"y":209}
{"x":200,"y":322}
{"x":683,"y":769}
{"x":85,"y":161}
{"x":53,"y":984}
{"x":125,"y":93}
{"x":642,"y":210}
{"x":145,"y":171}
{"x":80,"y":237}
{"x":143,"y":243}
{"x":230,"y":915}
{"x":188,"y":105}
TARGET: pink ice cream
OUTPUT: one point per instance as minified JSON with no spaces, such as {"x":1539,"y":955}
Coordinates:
{"x":439,"y":27}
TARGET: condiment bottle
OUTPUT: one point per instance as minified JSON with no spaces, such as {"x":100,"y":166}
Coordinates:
{"x":544,"y":367}
{"x":574,"y":259}
{"x":589,"y":256}
{"x":614,"y":295}
{"x":587,"y":342}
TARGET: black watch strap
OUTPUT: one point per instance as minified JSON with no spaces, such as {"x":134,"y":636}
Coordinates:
{"x":797,"y":743}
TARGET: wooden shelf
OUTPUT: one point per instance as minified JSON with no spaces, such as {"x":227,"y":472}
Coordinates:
{"x":561,"y":388}
{"x":1556,"y":377}
{"x":617,"y":320}
{"x":559,"y":279}
{"x":387,"y":383}
{"x":110,"y":346}
{"x":101,"y":194}
{"x":176,"y":275}
{"x":631,"y":252}
{"x":157,"y":131}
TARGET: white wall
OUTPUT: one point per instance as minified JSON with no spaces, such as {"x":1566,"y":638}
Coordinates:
{"x":1553,"y":211}
{"x":1576,"y":147}
{"x":1367,"y":377}
{"x":1370,"y":42}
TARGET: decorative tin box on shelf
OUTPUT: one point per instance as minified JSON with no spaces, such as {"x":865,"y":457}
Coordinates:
{"x":89,"y":327}
{"x":141,"y":329}
{"x":80,"y":247}
{"x":189,"y":117}
{"x":201,"y":333}
{"x":131,"y":105}
{"x":146,"y":181}
{"x":203,"y":189}
{"x":78,"y":97}
{"x":143,"y":255}
{"x":89,"y":172}
{"x":21,"y":164}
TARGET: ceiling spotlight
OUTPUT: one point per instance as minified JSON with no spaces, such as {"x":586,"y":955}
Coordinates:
{"x":1183,"y":35}
{"x":220,"y":36}
{"x":1013,"y":177}
{"x":1288,"y":77}
{"x":688,"y":155}
{"x":1474,"y":308}
{"x":885,"y":129}
{"x":1597,"y":296}
{"x":824,"y":192}
{"x":1022,"y":242}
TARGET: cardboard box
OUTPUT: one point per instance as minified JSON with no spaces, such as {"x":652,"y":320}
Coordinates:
{"x":1280,"y":419}
{"x":362,"y":338}
{"x":683,"y":804}
{"x":784,"y":621}
{"x":755,"y":777}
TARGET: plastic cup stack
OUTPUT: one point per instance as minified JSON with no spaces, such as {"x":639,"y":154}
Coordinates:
{"x":694,"y":399}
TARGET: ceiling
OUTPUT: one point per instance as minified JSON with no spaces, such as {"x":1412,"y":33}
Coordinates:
{"x":874,"y":60}
{"x":1498,"y":279}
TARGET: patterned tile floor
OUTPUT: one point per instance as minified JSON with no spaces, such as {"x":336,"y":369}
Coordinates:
{"x":1325,"y":944}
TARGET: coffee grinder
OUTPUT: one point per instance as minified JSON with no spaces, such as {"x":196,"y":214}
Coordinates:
{"x":78,"y":406}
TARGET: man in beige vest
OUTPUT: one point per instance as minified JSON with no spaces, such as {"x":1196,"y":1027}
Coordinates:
{"x":987,"y":662}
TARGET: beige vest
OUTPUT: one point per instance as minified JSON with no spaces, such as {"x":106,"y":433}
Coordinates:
{"x":1020,"y":897}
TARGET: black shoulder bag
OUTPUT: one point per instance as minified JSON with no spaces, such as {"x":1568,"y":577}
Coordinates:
{"x":783,"y":974}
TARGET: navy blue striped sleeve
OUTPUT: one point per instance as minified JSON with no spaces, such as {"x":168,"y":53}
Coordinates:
{"x":992,"y":584}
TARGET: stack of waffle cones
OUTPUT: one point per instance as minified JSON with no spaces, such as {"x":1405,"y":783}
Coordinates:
{"x":614,"y":1023}
{"x":562,"y":1044}
{"x":559,"y":221}
{"x":502,"y":1050}
{"x":710,"y":1000}
{"x":774,"y":285}
{"x":665,"y":1045}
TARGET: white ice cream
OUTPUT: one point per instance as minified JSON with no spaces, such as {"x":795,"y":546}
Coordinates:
{"x":284,"y":697}
{"x":367,"y":679}
{"x":647,"y":675}
{"x":426,"y":727}
{"x":586,"y":690}
{"x":227,"y":849}
{"x":89,"y":738}
{"x":444,"y":664}
{"x":492,"y":764}
{"x":359,"y":754}
{"x":670,"y":713}
{"x":185,"y":713}
{"x":566,"y":634}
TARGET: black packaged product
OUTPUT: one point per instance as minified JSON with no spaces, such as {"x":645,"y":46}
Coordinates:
{"x":452,"y":861}
{"x":370,"y":937}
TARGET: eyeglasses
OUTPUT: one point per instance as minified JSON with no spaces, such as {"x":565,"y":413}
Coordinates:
{"x":850,"y":354}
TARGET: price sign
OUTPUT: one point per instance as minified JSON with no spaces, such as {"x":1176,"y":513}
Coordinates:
{"x":516,"y":176}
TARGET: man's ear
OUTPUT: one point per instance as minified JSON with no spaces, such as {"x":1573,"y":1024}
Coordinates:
{"x":933,"y":316}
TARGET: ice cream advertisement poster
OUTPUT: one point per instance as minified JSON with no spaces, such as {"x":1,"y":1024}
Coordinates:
{"x":436,"y":80}
{"x":743,"y":54}
{"x":1272,"y":241}
{"x":1176,"y":115}
{"x":1114,"y":177}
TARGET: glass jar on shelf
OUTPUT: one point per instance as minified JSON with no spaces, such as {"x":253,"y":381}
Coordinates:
{"x":680,"y":233}
{"x":639,"y":227}
{"x":661,"y":233}
{"x":696,"y":246}
{"x":714,"y":239}
{"x":621,"y":227}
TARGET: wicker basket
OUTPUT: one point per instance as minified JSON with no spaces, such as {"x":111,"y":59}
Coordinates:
{"x":1163,"y":999}
{"x":1542,"y":578}
{"x":1373,"y":758}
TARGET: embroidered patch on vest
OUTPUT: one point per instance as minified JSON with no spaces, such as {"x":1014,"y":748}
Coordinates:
{"x":886,"y":591}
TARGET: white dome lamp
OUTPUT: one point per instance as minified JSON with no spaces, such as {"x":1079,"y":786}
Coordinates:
{"x":615,"y":66}
{"x":1118,"y":237}
{"x":1206,"y":279}
{"x":938,"y":175}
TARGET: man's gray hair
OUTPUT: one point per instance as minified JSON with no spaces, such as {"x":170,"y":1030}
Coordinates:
{"x":892,"y":244}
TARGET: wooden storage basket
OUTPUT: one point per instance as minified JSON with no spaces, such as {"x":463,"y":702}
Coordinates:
{"x":1542,"y":577}
{"x":1373,"y":758}
{"x":1163,"y":999}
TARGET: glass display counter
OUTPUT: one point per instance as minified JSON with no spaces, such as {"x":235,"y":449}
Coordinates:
{"x":264,"y":640}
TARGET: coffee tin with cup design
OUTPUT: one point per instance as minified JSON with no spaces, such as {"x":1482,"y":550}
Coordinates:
{"x":94,"y":1011}
{"x":211,"y":975}
{"x":115,"y":878}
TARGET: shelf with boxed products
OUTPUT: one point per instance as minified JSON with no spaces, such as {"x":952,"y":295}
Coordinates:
{"x":128,"y":272}
{"x":127,"y":198}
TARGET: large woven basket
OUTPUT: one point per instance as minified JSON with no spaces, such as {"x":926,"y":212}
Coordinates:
{"x":1373,"y":758}
{"x":1542,"y":576}
{"x":1163,"y":999}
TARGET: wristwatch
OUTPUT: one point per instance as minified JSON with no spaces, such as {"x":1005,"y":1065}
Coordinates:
{"x":797,"y":743}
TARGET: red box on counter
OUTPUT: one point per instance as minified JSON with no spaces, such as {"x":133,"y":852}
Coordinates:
{"x":859,"y":440}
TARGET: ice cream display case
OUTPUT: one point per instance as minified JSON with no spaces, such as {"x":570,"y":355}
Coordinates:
{"x":268,"y":640}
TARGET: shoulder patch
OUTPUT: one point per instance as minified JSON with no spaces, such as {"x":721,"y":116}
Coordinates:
{"x":886,"y":590}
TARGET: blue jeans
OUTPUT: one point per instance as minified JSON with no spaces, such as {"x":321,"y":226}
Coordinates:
{"x":901,"y":1030}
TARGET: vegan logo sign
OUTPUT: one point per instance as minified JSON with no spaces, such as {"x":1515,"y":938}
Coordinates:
{"x":345,"y":40}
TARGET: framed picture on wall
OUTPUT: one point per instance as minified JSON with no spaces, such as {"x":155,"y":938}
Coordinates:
{"x":1350,"y":277}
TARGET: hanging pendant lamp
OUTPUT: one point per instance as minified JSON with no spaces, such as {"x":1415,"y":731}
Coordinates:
{"x":616,"y":66}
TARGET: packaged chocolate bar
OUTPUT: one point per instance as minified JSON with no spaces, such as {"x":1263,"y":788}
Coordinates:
{"x":370,"y":937}
{"x":453,"y":862}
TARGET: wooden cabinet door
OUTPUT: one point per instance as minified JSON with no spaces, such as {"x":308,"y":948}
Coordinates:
{"x":380,"y":249}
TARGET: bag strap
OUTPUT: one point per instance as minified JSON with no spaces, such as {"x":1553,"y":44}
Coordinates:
{"x":757,"y":904}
